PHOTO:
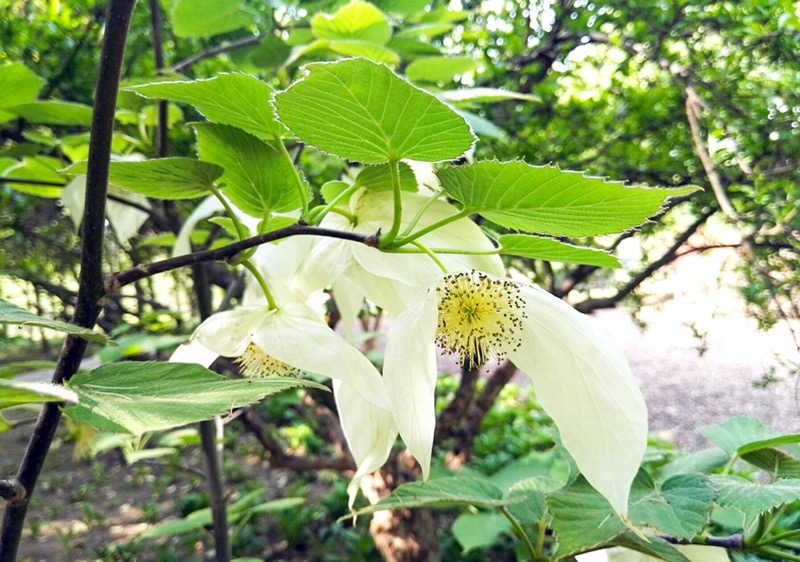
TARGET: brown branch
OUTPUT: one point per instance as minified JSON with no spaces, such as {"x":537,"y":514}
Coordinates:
{"x":280,"y":459}
{"x":669,"y":256}
{"x":693,"y":106}
{"x":455,"y":410}
{"x":116,"y":281}
{"x":91,"y":277}
{"x":32,"y":182}
{"x":235,"y":45}
{"x":12,"y":491}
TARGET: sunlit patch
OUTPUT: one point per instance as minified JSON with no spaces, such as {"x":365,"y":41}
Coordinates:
{"x":479,"y":317}
{"x":255,"y":363}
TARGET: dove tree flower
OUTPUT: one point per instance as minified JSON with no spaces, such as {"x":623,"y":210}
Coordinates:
{"x":580,"y":375}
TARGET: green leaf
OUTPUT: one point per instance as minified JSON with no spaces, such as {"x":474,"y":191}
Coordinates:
{"x":547,"y":200}
{"x":792,"y":439}
{"x":37,"y":168}
{"x":12,"y":314}
{"x":737,"y":432}
{"x":402,"y":7}
{"x":202,"y":517}
{"x":482,"y":127}
{"x":527,"y":498}
{"x":753,"y":499}
{"x":371,"y":51}
{"x":679,"y":507}
{"x":259,"y":179}
{"x":14,"y":393}
{"x":379,"y":178}
{"x":130,"y":345}
{"x":362,"y":111}
{"x":204,"y":18}
{"x":774,"y":461}
{"x":164,"y":178}
{"x":54,"y":113}
{"x":479,"y":530}
{"x":482,"y":95}
{"x":18,"y":84}
{"x":239,"y":100}
{"x":410,"y":49}
{"x":554,"y":250}
{"x":136,"y":397}
{"x":699,"y":461}
{"x":583,"y":519}
{"x":439,"y":69}
{"x":426,"y":30}
{"x":356,"y":20}
{"x":10,"y":370}
{"x":272,"y":52}
{"x":442,"y":492}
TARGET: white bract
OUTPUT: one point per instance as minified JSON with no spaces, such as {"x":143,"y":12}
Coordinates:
{"x":580,"y":375}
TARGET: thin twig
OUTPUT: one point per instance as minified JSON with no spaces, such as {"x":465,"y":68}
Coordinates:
{"x":240,"y":44}
{"x":122,"y":278}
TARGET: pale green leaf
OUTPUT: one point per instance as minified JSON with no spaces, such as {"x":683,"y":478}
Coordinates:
{"x":548,"y":249}
{"x":442,"y":492}
{"x":753,"y":499}
{"x":364,"y":112}
{"x":54,"y":112}
{"x":18,"y":84}
{"x":547,"y":200}
{"x":371,"y":51}
{"x":440,"y":69}
{"x":14,"y":393}
{"x":737,"y":432}
{"x":239,"y":100}
{"x":426,"y":30}
{"x":479,"y":530}
{"x":411,"y":49}
{"x":204,"y":18}
{"x":482,"y":95}
{"x":163,"y":178}
{"x":482,"y":127}
{"x":258,"y":179}
{"x":149,"y":115}
{"x":440,"y":15}
{"x":136,"y":397}
{"x":402,"y":7}
{"x":692,"y":552}
{"x":11,"y":314}
{"x":357,"y":20}
{"x":38,"y":168}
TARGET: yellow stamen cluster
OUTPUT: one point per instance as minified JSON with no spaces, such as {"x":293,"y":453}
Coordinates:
{"x":255,"y":363}
{"x":479,"y":317}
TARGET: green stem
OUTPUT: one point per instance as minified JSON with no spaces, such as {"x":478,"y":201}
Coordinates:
{"x":297,"y":179}
{"x":779,"y":537}
{"x":520,"y":532}
{"x":349,"y":216}
{"x":779,"y":554}
{"x":445,"y":251}
{"x":430,"y":228}
{"x":388,"y":238}
{"x":431,"y":255}
{"x":243,"y":235}
{"x":540,"y":536}
{"x":318,"y":213}
{"x":419,"y":214}
{"x":262,"y":282}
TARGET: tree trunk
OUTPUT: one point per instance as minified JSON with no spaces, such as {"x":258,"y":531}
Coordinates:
{"x":407,"y":535}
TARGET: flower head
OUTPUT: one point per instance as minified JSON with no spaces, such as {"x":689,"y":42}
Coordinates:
{"x":580,"y":375}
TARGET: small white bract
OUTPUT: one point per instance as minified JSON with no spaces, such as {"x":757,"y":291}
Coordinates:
{"x":480,"y":318}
